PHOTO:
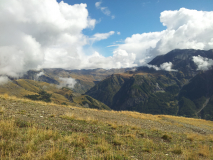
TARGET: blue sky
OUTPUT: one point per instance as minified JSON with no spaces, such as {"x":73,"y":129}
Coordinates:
{"x":131,"y":17}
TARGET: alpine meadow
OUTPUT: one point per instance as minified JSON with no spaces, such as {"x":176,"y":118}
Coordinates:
{"x":106,"y":80}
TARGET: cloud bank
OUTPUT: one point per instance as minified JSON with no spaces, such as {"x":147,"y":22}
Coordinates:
{"x":202,"y":62}
{"x":186,"y":29}
{"x":41,"y":33}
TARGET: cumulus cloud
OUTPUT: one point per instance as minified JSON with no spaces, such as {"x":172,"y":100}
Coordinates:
{"x":46,"y":34}
{"x":41,"y":33}
{"x":202,"y":62}
{"x":120,"y":59}
{"x":67,"y":82}
{"x":104,"y":10}
{"x":186,"y":29}
{"x":167,"y":66}
{"x":3,"y":80}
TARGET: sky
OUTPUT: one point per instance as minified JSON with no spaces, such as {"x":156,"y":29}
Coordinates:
{"x":88,"y":34}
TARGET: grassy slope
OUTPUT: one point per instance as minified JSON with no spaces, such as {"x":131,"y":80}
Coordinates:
{"x":24,"y":87}
{"x":37,"y":130}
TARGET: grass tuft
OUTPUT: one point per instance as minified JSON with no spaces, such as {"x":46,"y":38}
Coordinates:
{"x":166,"y":137}
{"x":2,"y":109}
{"x":204,"y":151}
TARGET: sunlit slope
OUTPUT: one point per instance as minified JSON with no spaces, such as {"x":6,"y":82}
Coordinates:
{"x":13,"y":89}
{"x":23,"y":87}
{"x":69,"y":132}
{"x":85,"y":79}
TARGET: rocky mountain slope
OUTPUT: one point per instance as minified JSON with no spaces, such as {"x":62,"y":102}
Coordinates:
{"x":143,"y":92}
{"x":184,"y":91}
{"x":182,"y":60}
{"x":196,"y":97}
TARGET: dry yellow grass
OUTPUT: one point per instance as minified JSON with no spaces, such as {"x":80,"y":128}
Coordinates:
{"x":83,"y":133}
{"x":196,"y":137}
{"x":28,"y":86}
{"x":204,"y":151}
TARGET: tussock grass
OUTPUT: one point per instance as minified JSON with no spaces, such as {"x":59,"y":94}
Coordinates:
{"x":166,"y":137}
{"x":196,"y":137}
{"x":2,"y":110}
{"x":78,"y":133}
{"x":69,"y":116}
{"x":204,"y":151}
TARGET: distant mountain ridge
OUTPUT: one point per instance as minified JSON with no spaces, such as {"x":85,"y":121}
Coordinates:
{"x":182,"y":60}
{"x":85,"y":79}
{"x":138,"y":91}
{"x":184,"y":90}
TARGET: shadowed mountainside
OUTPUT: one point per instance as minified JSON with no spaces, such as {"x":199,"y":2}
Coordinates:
{"x":183,"y":92}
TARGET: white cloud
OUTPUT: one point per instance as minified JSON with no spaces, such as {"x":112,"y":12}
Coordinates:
{"x":3,"y":80}
{"x":101,"y":36}
{"x":40,"y":74}
{"x":104,"y":10}
{"x":118,"y":33}
{"x":120,"y":59}
{"x":186,"y":29}
{"x":98,"y":4}
{"x":167,"y":66}
{"x":202,"y":62}
{"x":41,"y":33}
{"x":153,"y":66}
{"x":113,"y":45}
{"x":67,"y":82}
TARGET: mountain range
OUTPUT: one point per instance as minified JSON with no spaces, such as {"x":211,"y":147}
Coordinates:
{"x":175,"y":84}
{"x":183,"y":91}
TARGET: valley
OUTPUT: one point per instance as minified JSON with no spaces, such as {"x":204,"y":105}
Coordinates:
{"x":182,"y":89}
